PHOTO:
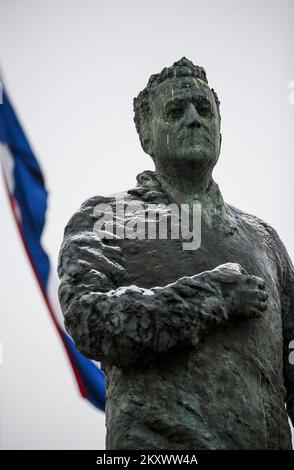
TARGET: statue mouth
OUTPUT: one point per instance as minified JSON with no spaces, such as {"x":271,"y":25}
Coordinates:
{"x":196,"y":139}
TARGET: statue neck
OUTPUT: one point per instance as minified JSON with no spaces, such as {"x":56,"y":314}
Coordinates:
{"x":188,"y":191}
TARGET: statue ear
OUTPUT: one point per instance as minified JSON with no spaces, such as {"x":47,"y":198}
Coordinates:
{"x":146,"y":139}
{"x":146,"y":144}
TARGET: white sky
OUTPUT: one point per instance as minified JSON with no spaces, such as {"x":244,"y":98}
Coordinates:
{"x":72,"y":68}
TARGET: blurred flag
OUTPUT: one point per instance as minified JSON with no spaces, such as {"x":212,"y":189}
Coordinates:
{"x":25,"y":187}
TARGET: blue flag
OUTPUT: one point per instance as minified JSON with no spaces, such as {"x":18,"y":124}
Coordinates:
{"x":27,"y":194}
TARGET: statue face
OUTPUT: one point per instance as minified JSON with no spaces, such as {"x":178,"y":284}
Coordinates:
{"x":184,"y":123}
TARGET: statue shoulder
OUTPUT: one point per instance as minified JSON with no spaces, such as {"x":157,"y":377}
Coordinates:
{"x":85,"y":217}
{"x":254,"y":223}
{"x":266,"y":232}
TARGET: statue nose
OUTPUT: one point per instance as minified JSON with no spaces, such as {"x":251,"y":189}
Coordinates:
{"x":192,"y":117}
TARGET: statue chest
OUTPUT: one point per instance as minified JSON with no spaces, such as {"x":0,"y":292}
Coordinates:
{"x":157,"y":262}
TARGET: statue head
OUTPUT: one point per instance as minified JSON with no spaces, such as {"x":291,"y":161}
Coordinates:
{"x":177,"y":117}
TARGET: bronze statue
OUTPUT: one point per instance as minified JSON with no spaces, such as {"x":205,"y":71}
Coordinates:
{"x":193,"y":343}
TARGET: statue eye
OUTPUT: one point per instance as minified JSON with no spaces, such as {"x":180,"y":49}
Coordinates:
{"x":203,"y":108}
{"x":175,"y":112}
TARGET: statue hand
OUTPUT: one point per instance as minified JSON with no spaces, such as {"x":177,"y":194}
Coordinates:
{"x":245,"y":295}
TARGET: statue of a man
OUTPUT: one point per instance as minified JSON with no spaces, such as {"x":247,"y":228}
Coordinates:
{"x":193,"y":343}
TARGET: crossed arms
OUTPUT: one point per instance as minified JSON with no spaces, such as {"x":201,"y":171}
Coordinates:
{"x":121,"y":324}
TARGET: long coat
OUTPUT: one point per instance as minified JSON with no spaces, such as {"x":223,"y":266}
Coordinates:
{"x":180,"y":374}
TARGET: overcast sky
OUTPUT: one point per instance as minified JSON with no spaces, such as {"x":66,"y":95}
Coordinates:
{"x":72,"y":68}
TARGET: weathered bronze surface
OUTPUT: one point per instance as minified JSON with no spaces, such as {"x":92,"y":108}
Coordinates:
{"x":194,"y":343}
